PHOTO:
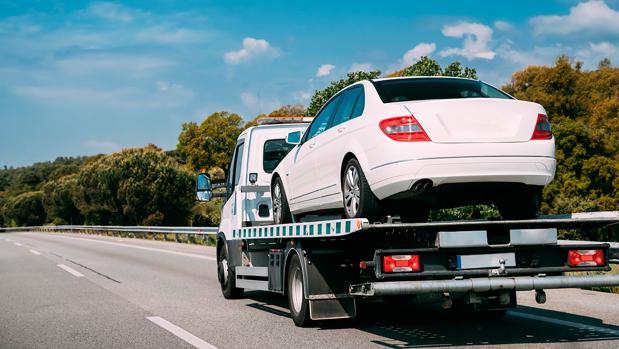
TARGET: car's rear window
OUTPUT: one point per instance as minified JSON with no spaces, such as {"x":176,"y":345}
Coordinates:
{"x":401,"y":90}
{"x":274,"y":152}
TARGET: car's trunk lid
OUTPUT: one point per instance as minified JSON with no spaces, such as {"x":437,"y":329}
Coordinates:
{"x":476,"y":120}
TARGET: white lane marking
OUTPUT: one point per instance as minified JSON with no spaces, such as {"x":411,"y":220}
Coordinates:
{"x":180,"y":333}
{"x":35,"y":252}
{"x":70,"y":270}
{"x":564,"y":323}
{"x":17,"y":244}
{"x":193,"y":255}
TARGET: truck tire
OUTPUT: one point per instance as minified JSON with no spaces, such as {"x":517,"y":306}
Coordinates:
{"x":358,"y":199}
{"x":281,"y":210}
{"x":299,"y":306}
{"x":226,"y":276}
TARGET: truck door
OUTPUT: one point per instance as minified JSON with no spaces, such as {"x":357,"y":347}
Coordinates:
{"x":232,"y":211}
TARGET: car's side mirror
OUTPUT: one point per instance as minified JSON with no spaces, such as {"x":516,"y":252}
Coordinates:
{"x":204,"y":189}
{"x":294,"y":137}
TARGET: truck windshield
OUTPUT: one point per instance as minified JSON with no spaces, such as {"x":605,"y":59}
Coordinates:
{"x":401,"y":90}
{"x":274,"y":152}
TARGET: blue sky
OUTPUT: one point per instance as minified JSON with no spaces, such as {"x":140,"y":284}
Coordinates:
{"x":80,"y":78}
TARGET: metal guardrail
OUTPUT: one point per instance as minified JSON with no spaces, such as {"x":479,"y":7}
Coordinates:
{"x":119,"y":228}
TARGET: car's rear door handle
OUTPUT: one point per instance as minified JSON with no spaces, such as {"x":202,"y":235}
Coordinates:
{"x":311,"y":145}
{"x":341,"y":129}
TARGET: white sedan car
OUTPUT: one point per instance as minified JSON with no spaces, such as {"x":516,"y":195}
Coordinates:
{"x":404,"y":146}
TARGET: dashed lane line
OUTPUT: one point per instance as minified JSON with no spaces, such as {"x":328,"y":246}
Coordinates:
{"x":70,"y":270}
{"x":18,"y":244}
{"x":180,"y":333}
{"x":35,"y":252}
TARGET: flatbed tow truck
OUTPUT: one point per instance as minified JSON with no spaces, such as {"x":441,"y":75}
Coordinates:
{"x":326,"y":267}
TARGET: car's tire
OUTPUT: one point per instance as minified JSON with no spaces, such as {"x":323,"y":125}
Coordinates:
{"x":281,"y":210}
{"x":524,"y":205}
{"x":415,"y":215}
{"x":299,"y":305}
{"x":358,"y":199}
{"x":226,"y":276}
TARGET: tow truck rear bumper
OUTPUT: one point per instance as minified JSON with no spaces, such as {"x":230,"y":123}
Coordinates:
{"x":521,"y":283}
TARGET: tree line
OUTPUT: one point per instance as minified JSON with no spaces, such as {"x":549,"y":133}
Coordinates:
{"x":149,"y":186}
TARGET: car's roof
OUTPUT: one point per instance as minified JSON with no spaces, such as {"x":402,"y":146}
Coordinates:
{"x":423,"y":77}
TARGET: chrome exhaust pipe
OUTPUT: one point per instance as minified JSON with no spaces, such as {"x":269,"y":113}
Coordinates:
{"x":422,"y":185}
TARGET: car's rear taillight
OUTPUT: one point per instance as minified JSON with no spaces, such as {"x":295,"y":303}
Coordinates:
{"x":401,"y":263}
{"x":404,"y":129}
{"x":542,"y":128}
{"x":585,"y":258}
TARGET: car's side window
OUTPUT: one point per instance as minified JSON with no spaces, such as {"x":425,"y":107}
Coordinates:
{"x":359,"y":104}
{"x":346,"y":110}
{"x":321,"y":121}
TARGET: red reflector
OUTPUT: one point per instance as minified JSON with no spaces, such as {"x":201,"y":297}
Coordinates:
{"x":542,"y":128}
{"x":401,"y":263}
{"x":404,"y":129}
{"x":585,"y":258}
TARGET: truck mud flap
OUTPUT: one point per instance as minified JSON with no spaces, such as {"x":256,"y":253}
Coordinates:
{"x":336,"y":308}
{"x":525,"y":283}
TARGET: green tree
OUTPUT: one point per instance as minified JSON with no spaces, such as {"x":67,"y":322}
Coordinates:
{"x":583,"y":108}
{"x":135,"y":187}
{"x":426,"y":66}
{"x":59,"y":201}
{"x":321,"y":97}
{"x":210,"y":143}
{"x":25,"y":209}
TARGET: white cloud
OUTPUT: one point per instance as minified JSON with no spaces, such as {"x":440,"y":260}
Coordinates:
{"x":302,"y":96}
{"x":112,"y":12}
{"x":604,"y":48}
{"x":411,"y":56}
{"x":476,"y":38}
{"x":163,"y":35}
{"x":105,"y":146}
{"x":503,"y":25}
{"x":257,"y":104}
{"x":592,"y":17}
{"x":360,"y":67}
{"x":251,"y":48}
{"x":324,"y":70}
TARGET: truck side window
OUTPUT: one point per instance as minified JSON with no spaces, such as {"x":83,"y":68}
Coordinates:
{"x":238,"y":160}
{"x":274,"y":152}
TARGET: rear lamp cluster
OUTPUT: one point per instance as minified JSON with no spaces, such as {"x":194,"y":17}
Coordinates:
{"x":401,"y":263}
{"x":585,"y":258}
{"x":404,"y":129}
{"x":542,"y":128}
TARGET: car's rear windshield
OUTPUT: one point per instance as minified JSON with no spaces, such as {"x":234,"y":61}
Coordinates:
{"x":401,"y":90}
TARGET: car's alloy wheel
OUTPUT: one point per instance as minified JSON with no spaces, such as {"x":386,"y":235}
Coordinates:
{"x":352,"y":194}
{"x":281,"y":211}
{"x":358,"y":199}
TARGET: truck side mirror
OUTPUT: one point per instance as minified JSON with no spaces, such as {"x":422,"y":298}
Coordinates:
{"x":204,"y":190}
{"x":293,"y":137}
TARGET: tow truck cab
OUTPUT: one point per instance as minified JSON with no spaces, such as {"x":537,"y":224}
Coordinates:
{"x":257,"y":152}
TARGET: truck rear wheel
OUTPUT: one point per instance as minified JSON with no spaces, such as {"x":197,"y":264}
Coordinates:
{"x":359,"y":201}
{"x":226,"y":276}
{"x":281,"y":210}
{"x":299,"y":306}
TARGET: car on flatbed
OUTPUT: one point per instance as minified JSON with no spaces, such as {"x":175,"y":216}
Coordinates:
{"x":404,"y":146}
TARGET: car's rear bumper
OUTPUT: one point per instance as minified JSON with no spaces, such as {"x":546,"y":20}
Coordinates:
{"x":392,"y":178}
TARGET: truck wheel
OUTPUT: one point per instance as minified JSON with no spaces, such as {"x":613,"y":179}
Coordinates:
{"x":299,"y":306}
{"x":359,"y":201}
{"x":227,"y":277}
{"x":281,"y":211}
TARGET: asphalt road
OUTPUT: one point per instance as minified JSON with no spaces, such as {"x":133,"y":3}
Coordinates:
{"x":77,"y":291}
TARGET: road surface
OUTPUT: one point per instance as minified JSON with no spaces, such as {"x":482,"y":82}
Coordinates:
{"x":78,"y":291}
